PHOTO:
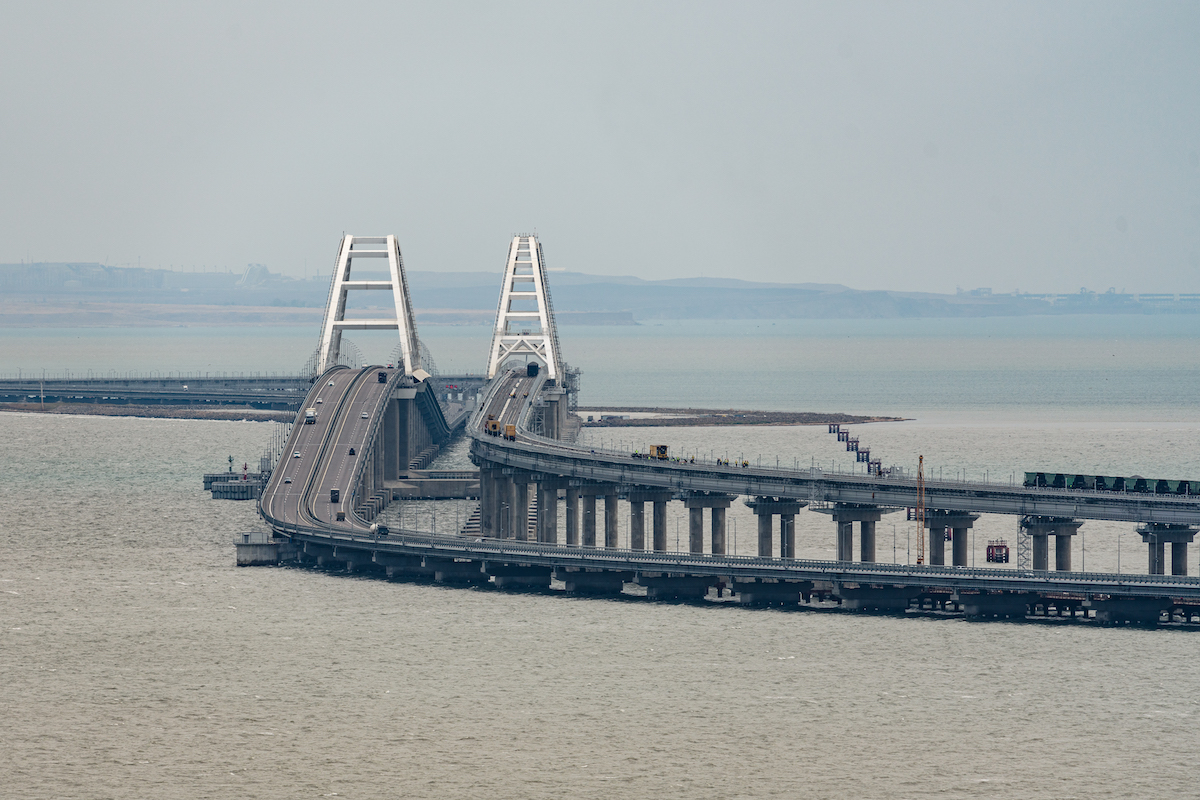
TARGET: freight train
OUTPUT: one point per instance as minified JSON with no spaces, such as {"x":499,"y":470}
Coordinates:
{"x":1105,"y":483}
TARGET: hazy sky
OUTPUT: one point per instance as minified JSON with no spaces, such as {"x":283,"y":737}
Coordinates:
{"x":913,"y":146}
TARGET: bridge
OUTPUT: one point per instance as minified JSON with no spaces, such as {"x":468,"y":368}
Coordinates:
{"x":323,"y":501}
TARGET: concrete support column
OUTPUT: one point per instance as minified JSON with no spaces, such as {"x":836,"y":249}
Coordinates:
{"x":610,"y":521}
{"x":1179,"y":558}
{"x":1157,"y":536}
{"x":845,"y":541}
{"x":695,"y":503}
{"x":766,"y":523}
{"x":519,"y":524}
{"x":845,"y":515}
{"x":391,"y":440}
{"x":1157,"y":557}
{"x":959,"y":523}
{"x":787,"y":535}
{"x":718,"y":531}
{"x":572,"y":516}
{"x":1041,"y":550}
{"x":548,"y":511}
{"x":937,"y":545}
{"x":1062,"y":529}
{"x":660,"y":526}
{"x":695,"y":530}
{"x":487,"y":502}
{"x":866,"y":540}
{"x":637,"y":525}
{"x":589,"y":520}
{"x":959,"y":546}
{"x":1062,"y":551}
{"x":766,"y":508}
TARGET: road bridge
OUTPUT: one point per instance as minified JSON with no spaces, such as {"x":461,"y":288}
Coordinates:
{"x":537,"y":466}
{"x":267,"y":392}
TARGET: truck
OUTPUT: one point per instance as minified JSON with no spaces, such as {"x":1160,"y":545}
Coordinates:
{"x":510,"y":432}
{"x":310,"y":416}
{"x":382,"y":377}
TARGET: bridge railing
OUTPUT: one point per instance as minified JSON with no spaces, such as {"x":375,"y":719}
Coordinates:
{"x":710,"y":464}
{"x":653,"y":561}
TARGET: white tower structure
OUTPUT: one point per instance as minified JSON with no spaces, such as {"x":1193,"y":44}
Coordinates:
{"x":525,"y":317}
{"x":358,"y":247}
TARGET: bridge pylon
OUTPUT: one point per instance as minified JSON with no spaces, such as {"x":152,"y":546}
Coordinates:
{"x":525,"y":316}
{"x":361,"y":247}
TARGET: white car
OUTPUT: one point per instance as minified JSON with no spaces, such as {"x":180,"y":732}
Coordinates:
{"x":319,"y":401}
{"x":331,"y":383}
{"x":287,"y":480}
{"x":296,"y":454}
{"x":364,"y":415}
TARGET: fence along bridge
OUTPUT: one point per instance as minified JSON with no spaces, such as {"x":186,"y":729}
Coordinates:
{"x":321,"y":504}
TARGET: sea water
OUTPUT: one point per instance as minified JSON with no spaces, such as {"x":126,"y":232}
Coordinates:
{"x":137,"y":661}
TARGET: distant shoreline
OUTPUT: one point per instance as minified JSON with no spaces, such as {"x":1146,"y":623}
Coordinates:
{"x":59,"y":314}
{"x":150,"y":412}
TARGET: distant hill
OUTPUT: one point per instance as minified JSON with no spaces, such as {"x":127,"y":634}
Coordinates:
{"x":579,"y":298}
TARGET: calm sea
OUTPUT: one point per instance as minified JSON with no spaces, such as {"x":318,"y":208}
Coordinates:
{"x":137,"y":661}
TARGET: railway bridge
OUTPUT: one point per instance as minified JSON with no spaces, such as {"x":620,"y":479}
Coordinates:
{"x":541,"y":498}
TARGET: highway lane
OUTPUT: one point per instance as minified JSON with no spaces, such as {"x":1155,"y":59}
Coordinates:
{"x":507,"y":402}
{"x":351,"y":430}
{"x":283,"y":497}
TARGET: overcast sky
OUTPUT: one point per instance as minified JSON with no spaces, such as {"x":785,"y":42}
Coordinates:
{"x":911,"y":146}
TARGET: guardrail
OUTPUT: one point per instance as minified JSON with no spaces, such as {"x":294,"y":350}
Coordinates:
{"x":752,"y":567}
{"x":815,"y":484}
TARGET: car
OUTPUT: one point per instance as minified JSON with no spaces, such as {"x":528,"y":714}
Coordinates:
{"x":319,"y":401}
{"x":330,"y":383}
{"x":296,"y":454}
{"x":287,"y":480}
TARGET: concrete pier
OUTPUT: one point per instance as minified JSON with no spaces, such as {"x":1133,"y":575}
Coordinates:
{"x":572,"y":516}
{"x":487,"y":501}
{"x":518,"y":576}
{"x":695,"y":503}
{"x":256,"y":549}
{"x":879,"y":599}
{"x":588,"y":492}
{"x":1157,"y":537}
{"x":637,"y":525}
{"x":770,"y":593}
{"x":611,"y":538}
{"x":766,"y":509}
{"x":638,"y":497}
{"x":997,"y":605}
{"x":845,"y":541}
{"x":787,"y":535}
{"x":844,"y":516}
{"x":593,"y":582}
{"x":1039,"y":529}
{"x":589,"y":520}
{"x":518,"y":525}
{"x":960,"y":525}
{"x":673,"y":587}
{"x":448,"y":570}
{"x":660,"y":526}
{"x":1131,"y":610}
{"x":547,"y":510}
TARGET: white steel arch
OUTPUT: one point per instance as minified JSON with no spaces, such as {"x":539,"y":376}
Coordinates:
{"x":528,"y":328}
{"x":358,"y":247}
